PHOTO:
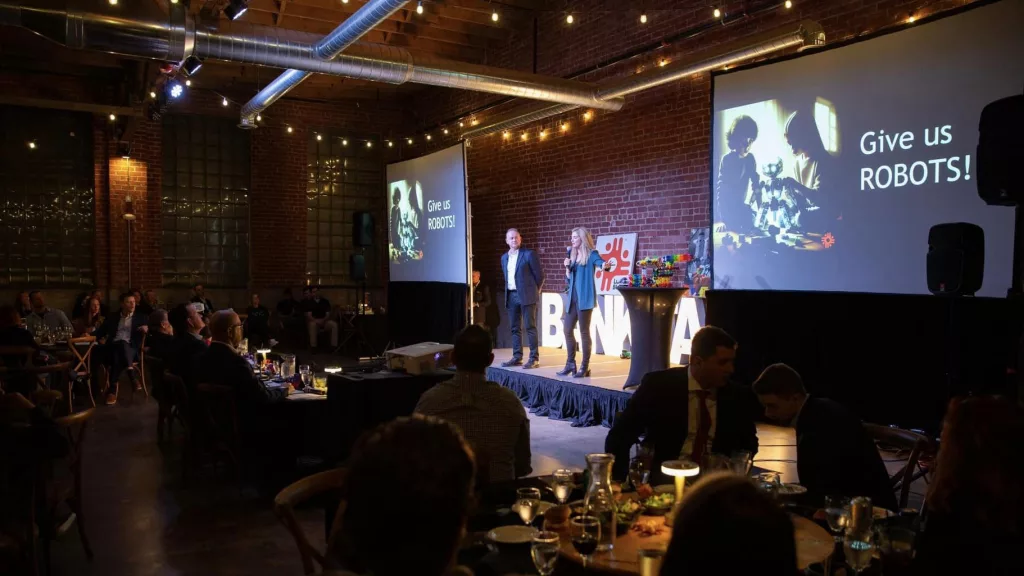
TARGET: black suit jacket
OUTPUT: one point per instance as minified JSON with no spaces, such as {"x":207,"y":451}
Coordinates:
{"x":220,"y":365}
{"x":108,"y":329}
{"x":836,"y":456}
{"x":529,"y":277}
{"x":659,"y":407}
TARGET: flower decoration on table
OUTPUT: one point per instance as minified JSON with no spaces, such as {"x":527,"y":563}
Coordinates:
{"x":656,"y":272}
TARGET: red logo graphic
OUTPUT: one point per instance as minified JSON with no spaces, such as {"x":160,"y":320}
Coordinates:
{"x":828,"y":240}
{"x":615,"y":253}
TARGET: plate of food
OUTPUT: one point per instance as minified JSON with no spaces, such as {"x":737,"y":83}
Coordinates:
{"x":512,"y":534}
{"x":790,"y":489}
{"x":658,"y":504}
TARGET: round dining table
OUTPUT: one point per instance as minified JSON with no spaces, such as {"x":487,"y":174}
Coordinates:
{"x":813,"y":544}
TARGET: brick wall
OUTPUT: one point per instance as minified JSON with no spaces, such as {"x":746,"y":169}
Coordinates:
{"x":643,"y":169}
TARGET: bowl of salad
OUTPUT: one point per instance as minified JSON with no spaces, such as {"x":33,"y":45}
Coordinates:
{"x":658,"y":504}
{"x":626,"y":512}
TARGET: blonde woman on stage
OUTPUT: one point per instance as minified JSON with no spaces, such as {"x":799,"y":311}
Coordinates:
{"x":581,"y":263}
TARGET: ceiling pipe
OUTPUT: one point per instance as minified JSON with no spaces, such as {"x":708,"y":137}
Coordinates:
{"x":366,"y":18}
{"x":147,"y":32}
{"x":802,"y":34}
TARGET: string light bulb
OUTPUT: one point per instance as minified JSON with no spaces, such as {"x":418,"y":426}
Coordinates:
{"x":911,"y":19}
{"x":445,"y":130}
{"x":113,"y":2}
{"x":428,"y":137}
{"x":259,"y":118}
{"x":188,"y":83}
{"x":506,"y":135}
{"x":663,"y":62}
{"x":524,"y":137}
{"x":494,"y":16}
{"x":174,"y":1}
{"x":588,"y":115}
{"x":717,"y":13}
{"x":460,"y":124}
{"x":569,"y":19}
{"x":419,"y":7}
{"x":564,"y":127}
{"x":543,"y":134}
{"x":152,"y":94}
{"x":319,"y":137}
{"x":643,"y":18}
{"x":369,"y":144}
{"x":391,"y":144}
{"x":409,"y":140}
{"x":112,"y":117}
{"x":31,"y":145}
{"x":788,"y":4}
{"x":344,"y":142}
{"x":224,"y":102}
{"x":475,"y":122}
{"x":344,"y":1}
{"x":289,"y":129}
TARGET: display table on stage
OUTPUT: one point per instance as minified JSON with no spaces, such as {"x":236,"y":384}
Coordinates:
{"x":651,"y":313}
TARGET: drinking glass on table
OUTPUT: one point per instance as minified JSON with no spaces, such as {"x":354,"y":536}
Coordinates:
{"x":837,"y":512}
{"x":639,"y":474}
{"x":586,"y":533}
{"x":527,"y":503}
{"x":544,"y":551}
{"x":562,"y":484}
{"x":859,"y":548}
{"x":896,"y":549}
{"x":307,"y":375}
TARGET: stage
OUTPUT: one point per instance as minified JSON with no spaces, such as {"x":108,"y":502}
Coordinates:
{"x":583,"y":402}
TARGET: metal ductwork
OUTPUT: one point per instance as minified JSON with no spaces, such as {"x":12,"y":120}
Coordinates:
{"x":366,"y":18}
{"x":802,"y":34}
{"x":143,"y":30}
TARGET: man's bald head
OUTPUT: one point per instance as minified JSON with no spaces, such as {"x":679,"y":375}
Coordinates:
{"x":222,"y":324}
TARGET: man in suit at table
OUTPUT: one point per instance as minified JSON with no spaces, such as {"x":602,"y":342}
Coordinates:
{"x":835,"y":456}
{"x":122,"y":338}
{"x":690,"y":412}
{"x":523,"y":279}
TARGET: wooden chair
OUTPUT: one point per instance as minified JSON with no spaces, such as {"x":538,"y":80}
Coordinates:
{"x":69,"y":491}
{"x":912,"y":443}
{"x":83,"y":362}
{"x":292,"y":496}
{"x":140,"y":365}
{"x":24,"y":354}
{"x":59,"y":380}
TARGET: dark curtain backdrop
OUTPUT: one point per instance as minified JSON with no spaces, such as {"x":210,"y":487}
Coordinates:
{"x":426,"y":311}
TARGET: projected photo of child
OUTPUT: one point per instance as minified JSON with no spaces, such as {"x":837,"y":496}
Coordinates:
{"x":774,"y":187}
{"x":404,"y":218}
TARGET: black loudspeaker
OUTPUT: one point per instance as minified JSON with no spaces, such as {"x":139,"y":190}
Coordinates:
{"x":362,"y":229}
{"x":956,"y":259}
{"x":1001,"y":152}
{"x":357,"y":267}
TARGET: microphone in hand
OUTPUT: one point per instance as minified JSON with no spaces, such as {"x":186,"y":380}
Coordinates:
{"x":568,"y":252}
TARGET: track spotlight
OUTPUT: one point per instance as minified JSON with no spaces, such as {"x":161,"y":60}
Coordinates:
{"x":191,"y":65}
{"x":175,"y":89}
{"x":236,"y":8}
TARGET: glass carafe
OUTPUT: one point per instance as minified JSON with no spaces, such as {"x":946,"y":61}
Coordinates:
{"x":600,"y":500}
{"x":287,"y":366}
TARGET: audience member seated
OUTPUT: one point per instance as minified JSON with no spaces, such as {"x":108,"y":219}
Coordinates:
{"x":490,"y":416}
{"x":12,"y":334}
{"x":148,"y":304}
{"x":318,"y":317}
{"x":199,"y":297}
{"x":23,"y":304}
{"x":257,"y":323}
{"x":43,"y":316}
{"x":122,"y":337}
{"x":726,"y":526}
{"x":161,"y":342}
{"x":187,"y":325}
{"x":835,"y":455}
{"x":688,"y":412}
{"x":428,"y":463}
{"x":91,"y":318}
{"x":975,"y":503}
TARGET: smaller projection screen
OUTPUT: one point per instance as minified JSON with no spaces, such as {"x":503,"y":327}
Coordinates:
{"x":828,"y":169}
{"x":426,"y":199}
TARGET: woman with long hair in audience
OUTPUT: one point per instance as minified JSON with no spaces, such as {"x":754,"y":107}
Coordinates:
{"x":975,"y":505}
{"x":726,"y":526}
{"x":416,"y":474}
{"x":91,"y":318}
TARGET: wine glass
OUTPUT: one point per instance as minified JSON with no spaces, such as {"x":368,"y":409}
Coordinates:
{"x":586,"y":533}
{"x":837,"y":511}
{"x":307,"y":375}
{"x":859,"y":547}
{"x":638,"y":473}
{"x":563,"y":484}
{"x":527,"y":503}
{"x":544,"y":551}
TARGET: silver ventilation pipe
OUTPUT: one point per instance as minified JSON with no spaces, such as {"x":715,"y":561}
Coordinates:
{"x":803,"y":34}
{"x":271,"y":46}
{"x":366,"y":18}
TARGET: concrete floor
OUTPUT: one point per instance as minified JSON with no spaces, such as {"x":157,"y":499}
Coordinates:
{"x":143,"y":522}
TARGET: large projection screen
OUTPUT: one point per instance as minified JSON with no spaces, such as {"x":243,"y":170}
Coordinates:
{"x":426,"y":200}
{"x":828,"y":169}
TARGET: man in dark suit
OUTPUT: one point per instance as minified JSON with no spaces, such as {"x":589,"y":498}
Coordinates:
{"x":523,"y":279}
{"x":835,"y":455}
{"x":189,"y":343}
{"x":122,"y":337}
{"x":688,"y":413}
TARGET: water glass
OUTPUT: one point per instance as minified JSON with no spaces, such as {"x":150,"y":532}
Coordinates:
{"x":586,"y":533}
{"x":859,"y":547}
{"x":562,"y":484}
{"x":837,"y":512}
{"x":639,"y":474}
{"x":650,"y":560}
{"x":544,"y":551}
{"x":307,"y":375}
{"x":896,"y":548}
{"x":527,"y":503}
{"x":741,"y":461}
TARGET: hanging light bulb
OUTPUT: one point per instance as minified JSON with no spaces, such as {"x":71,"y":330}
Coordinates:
{"x":506,"y":135}
{"x":543,"y":134}
{"x":188,"y":83}
{"x":369,"y":144}
{"x":569,"y":19}
{"x":789,"y":4}
{"x":344,"y":142}
{"x":565,"y":127}
{"x":31,"y":145}
{"x":112,"y":117}
{"x":524,"y":137}
{"x":717,"y":13}
{"x":113,"y":2}
{"x":259,"y":118}
{"x":494,"y":16}
{"x":588,"y":115}
{"x":409,"y":140}
{"x":224,"y":102}
{"x":289,"y":129}
{"x":319,"y":137}
{"x":419,"y":7}
{"x":391,"y":144}
{"x":643,"y":18}
{"x":428,"y":137}
{"x":152,"y":94}
{"x":460,"y":124}
{"x":445,"y":130}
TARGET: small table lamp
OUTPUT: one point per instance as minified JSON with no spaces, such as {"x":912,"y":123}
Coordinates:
{"x":680,"y":470}
{"x":332,"y":370}
{"x":263,"y":351}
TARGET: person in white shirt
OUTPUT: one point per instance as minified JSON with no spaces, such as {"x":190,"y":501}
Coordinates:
{"x":523,"y":279}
